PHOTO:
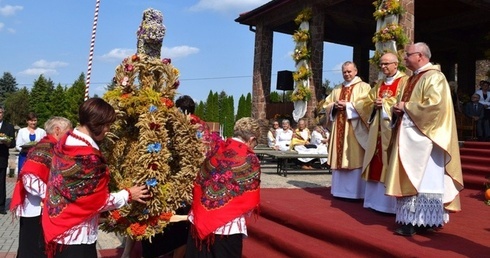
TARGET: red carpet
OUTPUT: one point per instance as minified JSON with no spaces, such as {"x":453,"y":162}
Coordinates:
{"x":311,"y":223}
{"x":475,"y":161}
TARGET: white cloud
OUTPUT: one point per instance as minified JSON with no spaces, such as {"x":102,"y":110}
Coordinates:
{"x":179,"y":52}
{"x":226,"y":5}
{"x":38,"y":71}
{"x":117,"y":54}
{"x":337,"y":68}
{"x":43,"y":64}
{"x":10,"y":30}
{"x":1,"y":26}
{"x":43,"y":67}
{"x":9,"y":10}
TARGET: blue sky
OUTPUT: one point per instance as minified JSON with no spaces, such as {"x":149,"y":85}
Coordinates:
{"x":211,"y":50}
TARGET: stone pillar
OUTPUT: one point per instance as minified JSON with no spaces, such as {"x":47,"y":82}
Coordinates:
{"x":407,"y":21}
{"x":262,"y":71}
{"x":361,"y":58}
{"x":317,"y":29}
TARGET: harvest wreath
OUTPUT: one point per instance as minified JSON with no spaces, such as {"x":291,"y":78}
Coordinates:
{"x":151,"y":143}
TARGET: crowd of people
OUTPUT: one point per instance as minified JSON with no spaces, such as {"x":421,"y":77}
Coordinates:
{"x":478,"y":110}
{"x":62,"y":188}
{"x":300,"y":139}
{"x":394,"y":146}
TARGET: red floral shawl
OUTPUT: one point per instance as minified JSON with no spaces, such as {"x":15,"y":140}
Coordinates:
{"x":226,"y":187}
{"x":76,"y":190}
{"x":38,"y":163}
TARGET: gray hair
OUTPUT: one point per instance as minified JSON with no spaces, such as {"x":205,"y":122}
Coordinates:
{"x":57,"y":121}
{"x":246,"y":127}
{"x":285,"y":121}
{"x":423,"y":48}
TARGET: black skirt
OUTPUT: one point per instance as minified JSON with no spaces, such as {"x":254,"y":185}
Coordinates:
{"x":173,"y":236}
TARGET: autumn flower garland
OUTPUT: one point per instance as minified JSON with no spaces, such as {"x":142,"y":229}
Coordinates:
{"x":302,"y":56}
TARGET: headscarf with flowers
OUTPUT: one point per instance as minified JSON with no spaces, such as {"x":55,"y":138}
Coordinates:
{"x":38,"y":163}
{"x":227,"y":186}
{"x":76,"y":191}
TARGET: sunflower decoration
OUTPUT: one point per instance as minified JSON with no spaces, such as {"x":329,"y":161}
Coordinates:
{"x":150,"y":142}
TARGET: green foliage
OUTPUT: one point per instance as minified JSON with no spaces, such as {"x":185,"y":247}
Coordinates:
{"x":211,"y":112}
{"x":200,"y":110}
{"x":8,"y":84}
{"x":40,"y":99}
{"x":57,"y":103}
{"x":74,"y":97}
{"x":275,"y":97}
{"x":17,"y":107}
{"x":241,"y":112}
{"x":248,"y":105}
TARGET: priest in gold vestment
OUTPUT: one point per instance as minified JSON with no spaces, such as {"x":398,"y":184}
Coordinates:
{"x":375,"y":111}
{"x":348,"y":135}
{"x":424,"y":170}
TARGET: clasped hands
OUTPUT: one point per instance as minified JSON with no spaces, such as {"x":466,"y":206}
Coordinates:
{"x":399,"y":109}
{"x":340,"y":105}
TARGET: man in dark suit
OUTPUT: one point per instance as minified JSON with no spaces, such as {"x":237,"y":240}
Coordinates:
{"x":475,"y":110}
{"x":5,"y":143}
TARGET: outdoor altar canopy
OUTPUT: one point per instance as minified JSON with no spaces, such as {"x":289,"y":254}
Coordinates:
{"x":150,"y":139}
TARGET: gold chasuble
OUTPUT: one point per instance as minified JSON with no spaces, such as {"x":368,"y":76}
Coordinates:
{"x":347,"y":137}
{"x":379,"y":120}
{"x":428,"y":104}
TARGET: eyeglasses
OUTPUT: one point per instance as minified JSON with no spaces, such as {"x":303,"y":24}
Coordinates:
{"x":385,"y":64}
{"x":409,"y":54}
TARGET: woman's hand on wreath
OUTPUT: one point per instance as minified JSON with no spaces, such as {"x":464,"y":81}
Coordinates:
{"x":139,"y":193}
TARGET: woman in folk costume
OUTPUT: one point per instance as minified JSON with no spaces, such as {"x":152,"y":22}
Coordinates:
{"x":30,"y":189}
{"x":376,"y":112}
{"x":226,"y":190}
{"x":77,"y":190}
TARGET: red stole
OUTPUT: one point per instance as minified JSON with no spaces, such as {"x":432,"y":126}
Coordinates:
{"x":376,"y":164}
{"x":345,"y":94}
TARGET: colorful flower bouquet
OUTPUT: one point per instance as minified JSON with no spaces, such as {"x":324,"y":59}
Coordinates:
{"x":386,"y":7}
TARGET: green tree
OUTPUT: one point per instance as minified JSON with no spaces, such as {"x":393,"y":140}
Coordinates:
{"x":40,"y":99}
{"x":17,"y":107}
{"x":58,"y":104}
{"x":241,"y":112}
{"x":229,"y":120}
{"x":200,"y":110}
{"x":212,"y":108}
{"x":74,"y":98}
{"x":326,"y":88}
{"x":248,"y":105}
{"x":8,"y":84}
